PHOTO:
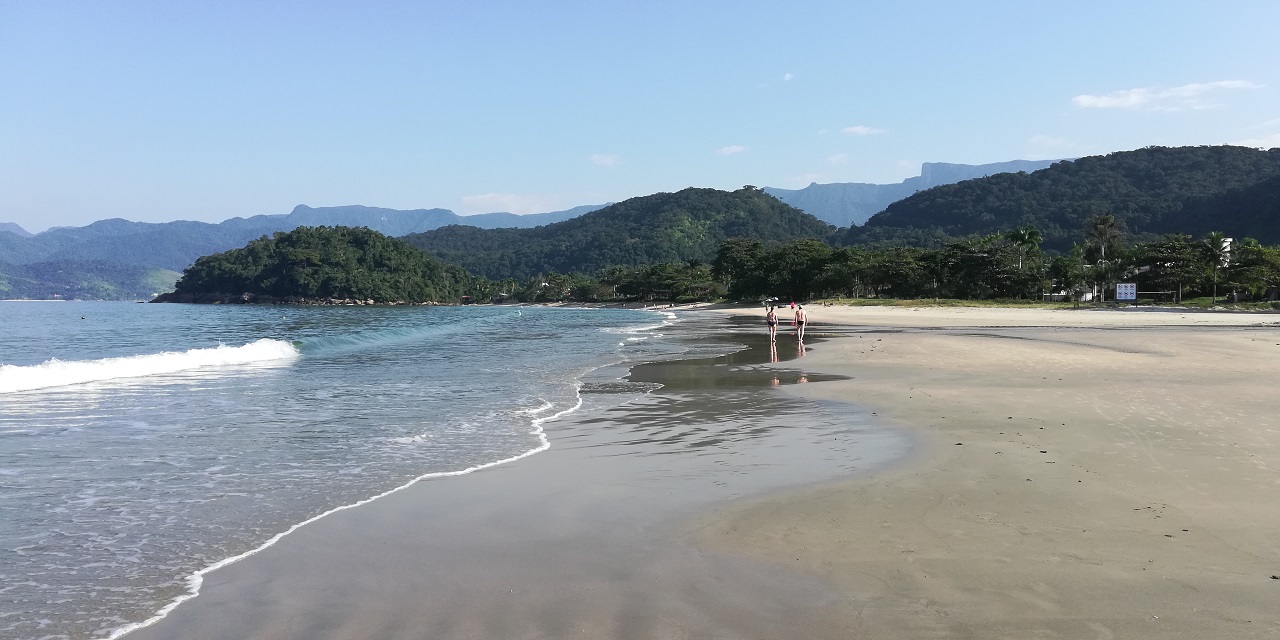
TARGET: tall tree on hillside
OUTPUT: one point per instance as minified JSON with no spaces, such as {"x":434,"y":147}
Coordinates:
{"x":1066,"y":273}
{"x":738,"y":263}
{"x":1255,"y":268}
{"x":1103,"y":232}
{"x":1218,"y":254}
{"x":1025,"y":239}
{"x":1169,"y":263}
{"x":844,"y":272}
{"x":795,"y":268}
{"x":899,"y":272}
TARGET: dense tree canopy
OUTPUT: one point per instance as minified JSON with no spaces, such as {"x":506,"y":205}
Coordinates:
{"x":1150,"y":192}
{"x":326,"y":262}
{"x":664,"y":227}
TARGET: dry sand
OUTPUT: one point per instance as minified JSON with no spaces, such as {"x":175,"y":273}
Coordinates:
{"x":1081,"y":474}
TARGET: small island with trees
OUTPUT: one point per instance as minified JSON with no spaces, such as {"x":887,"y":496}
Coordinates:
{"x":322,"y":265}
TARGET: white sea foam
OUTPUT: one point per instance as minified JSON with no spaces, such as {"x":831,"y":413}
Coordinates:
{"x":196,"y":580}
{"x":668,"y":319}
{"x":59,"y":373}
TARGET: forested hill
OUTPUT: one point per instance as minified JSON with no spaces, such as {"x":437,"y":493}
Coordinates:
{"x":318,"y":263}
{"x":82,"y":280}
{"x":1250,"y":212}
{"x":665,"y":227}
{"x":1155,"y":190}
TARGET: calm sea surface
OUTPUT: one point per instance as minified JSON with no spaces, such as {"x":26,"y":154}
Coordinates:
{"x":142,"y":443}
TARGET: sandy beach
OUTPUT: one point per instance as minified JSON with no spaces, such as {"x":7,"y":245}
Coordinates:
{"x":1081,"y":474}
{"x":582,"y":540}
{"x":915,"y":473}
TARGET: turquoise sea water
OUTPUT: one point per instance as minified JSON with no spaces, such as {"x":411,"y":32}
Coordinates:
{"x":142,"y":443}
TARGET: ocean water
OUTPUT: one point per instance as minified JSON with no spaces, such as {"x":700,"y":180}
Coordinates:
{"x":143,"y":444}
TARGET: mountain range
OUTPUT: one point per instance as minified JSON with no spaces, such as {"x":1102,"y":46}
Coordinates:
{"x":175,"y":245}
{"x":853,"y":203}
{"x":121,"y":259}
{"x":1151,"y":191}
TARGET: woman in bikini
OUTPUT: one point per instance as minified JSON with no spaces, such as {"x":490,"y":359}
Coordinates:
{"x":771,"y":319}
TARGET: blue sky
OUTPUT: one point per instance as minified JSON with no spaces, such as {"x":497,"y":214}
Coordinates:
{"x":157,"y":111}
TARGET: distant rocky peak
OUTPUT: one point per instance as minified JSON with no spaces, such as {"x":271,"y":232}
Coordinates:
{"x":14,"y":228}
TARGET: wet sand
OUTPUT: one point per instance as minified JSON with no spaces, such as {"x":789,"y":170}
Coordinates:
{"x":1070,"y":475}
{"x":588,"y":539}
{"x":1083,"y":474}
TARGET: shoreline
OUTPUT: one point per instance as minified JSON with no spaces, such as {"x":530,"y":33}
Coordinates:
{"x":163,"y":572}
{"x":196,"y":579}
{"x":603,"y":501}
{"x":1024,"y":505}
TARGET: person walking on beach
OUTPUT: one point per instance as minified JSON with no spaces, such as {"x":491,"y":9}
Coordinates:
{"x":771,"y":319}
{"x":802,"y":317}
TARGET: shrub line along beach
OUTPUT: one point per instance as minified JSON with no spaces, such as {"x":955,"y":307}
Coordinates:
{"x":1075,"y":474}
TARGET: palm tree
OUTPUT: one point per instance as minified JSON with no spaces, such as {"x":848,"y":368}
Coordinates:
{"x":1219,"y":253}
{"x":1026,"y":238}
{"x":1102,"y":231}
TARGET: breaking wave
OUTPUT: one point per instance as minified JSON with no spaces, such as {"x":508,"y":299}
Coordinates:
{"x":59,"y":373}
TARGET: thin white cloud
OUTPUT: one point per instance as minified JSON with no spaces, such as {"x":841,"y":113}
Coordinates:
{"x":1265,"y":142}
{"x":605,"y":159}
{"x":863,"y":130}
{"x":838,"y":158}
{"x":1045,"y":140}
{"x":804,"y":180}
{"x":1194,"y":96}
{"x":510,"y":202}
{"x":731,"y":149}
{"x":786,"y":77}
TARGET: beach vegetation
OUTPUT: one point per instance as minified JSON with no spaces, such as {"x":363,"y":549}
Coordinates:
{"x":1012,"y":266}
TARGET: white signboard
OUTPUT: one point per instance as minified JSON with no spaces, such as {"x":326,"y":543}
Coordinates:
{"x":1127,"y":291}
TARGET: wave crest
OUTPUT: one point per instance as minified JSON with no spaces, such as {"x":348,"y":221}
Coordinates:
{"x":58,"y":373}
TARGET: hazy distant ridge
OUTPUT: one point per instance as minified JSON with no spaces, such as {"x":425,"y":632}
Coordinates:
{"x":852,"y":203}
{"x":12,"y":227}
{"x":175,"y":245}
{"x":121,"y":259}
{"x":398,"y":222}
